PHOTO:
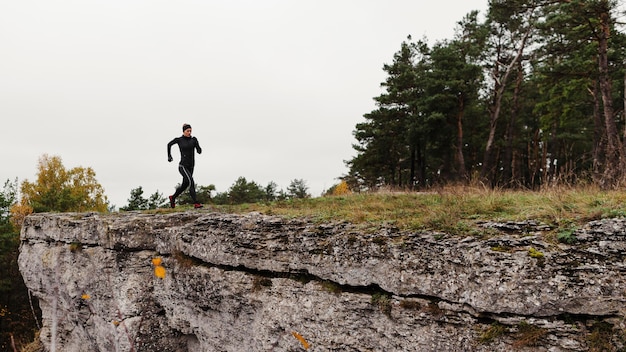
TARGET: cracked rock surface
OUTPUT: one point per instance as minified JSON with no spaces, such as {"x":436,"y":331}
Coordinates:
{"x":262,"y":283}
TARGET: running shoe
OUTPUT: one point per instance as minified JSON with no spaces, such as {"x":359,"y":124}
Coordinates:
{"x":172,"y":202}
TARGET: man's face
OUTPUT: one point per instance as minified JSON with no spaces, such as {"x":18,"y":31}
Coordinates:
{"x":187,"y":132}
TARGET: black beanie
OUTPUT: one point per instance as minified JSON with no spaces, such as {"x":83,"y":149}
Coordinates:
{"x":186,"y":126}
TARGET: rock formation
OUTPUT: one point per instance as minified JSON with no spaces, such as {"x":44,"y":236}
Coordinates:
{"x":202,"y":281}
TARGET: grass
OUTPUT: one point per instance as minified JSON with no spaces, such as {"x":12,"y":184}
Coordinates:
{"x":599,"y":338}
{"x":528,"y":335}
{"x":35,"y":346}
{"x":493,"y":332}
{"x":452,"y":209}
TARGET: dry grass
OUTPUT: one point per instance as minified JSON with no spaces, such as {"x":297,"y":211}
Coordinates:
{"x":528,"y":335}
{"x":34,"y":346}
{"x":493,"y":332}
{"x":453,"y":209}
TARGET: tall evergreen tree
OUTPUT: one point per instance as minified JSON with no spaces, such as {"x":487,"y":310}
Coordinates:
{"x":455,"y":80}
{"x":382,"y":152}
{"x":579,"y":72}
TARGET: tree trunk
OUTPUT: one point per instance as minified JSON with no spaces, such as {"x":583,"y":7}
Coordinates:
{"x":510,"y":176}
{"x":460,"y":159}
{"x":599,"y":137}
{"x":412,"y":175}
{"x":501,"y":83}
{"x":613,"y":169}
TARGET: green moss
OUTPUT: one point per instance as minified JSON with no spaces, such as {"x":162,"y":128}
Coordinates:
{"x":533,"y":253}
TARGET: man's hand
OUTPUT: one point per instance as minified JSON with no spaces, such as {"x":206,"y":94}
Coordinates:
{"x":169,"y":158}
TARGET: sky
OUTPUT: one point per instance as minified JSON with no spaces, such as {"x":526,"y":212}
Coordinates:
{"x":273,"y":89}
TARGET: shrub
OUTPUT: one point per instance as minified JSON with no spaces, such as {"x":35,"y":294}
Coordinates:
{"x":566,"y":236}
{"x":383,"y":302}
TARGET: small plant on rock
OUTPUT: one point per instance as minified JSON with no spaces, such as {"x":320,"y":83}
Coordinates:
{"x":599,"y":339}
{"x":383,"y":302}
{"x":494,"y":331}
{"x":567,"y":236}
{"x":528,"y":335}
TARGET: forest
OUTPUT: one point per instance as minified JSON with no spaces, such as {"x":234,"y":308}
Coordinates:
{"x":529,"y":96}
{"x":526,"y":95}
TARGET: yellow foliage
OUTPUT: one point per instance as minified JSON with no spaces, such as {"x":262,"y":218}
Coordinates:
{"x":85,"y":296}
{"x":59,"y":189}
{"x":19,"y":213}
{"x":341,"y":189}
{"x":159,"y":272}
{"x":304,"y":343}
{"x":156,"y":261}
{"x":115,"y":322}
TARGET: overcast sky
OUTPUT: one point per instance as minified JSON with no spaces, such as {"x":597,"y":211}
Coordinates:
{"x":272,"y":88}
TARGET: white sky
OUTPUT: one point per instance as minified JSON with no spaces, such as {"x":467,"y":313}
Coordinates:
{"x":272,"y":88}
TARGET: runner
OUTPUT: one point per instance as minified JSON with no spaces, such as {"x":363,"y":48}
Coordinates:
{"x":186,"y":144}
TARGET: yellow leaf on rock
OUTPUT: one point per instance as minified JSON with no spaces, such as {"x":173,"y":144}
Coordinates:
{"x":85,"y":296}
{"x":156,"y":261}
{"x":304,"y":343}
{"x":159,"y":271}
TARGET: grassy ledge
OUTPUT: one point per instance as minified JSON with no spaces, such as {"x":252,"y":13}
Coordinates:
{"x":452,"y":209}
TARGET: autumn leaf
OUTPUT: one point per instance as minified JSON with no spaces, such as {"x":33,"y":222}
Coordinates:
{"x":159,"y":272}
{"x":156,"y":261}
{"x":304,"y":343}
{"x":85,"y":296}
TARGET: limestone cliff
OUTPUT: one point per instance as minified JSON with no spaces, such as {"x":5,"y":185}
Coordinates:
{"x":262,"y":283}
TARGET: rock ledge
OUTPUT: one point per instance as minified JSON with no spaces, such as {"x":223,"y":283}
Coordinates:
{"x":262,"y":283}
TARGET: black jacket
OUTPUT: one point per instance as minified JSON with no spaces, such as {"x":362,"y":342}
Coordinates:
{"x":186,"y":146}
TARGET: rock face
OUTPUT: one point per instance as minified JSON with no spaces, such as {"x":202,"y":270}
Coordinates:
{"x":261,"y":283}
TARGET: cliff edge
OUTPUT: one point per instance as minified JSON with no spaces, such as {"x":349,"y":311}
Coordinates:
{"x":202,"y":281}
